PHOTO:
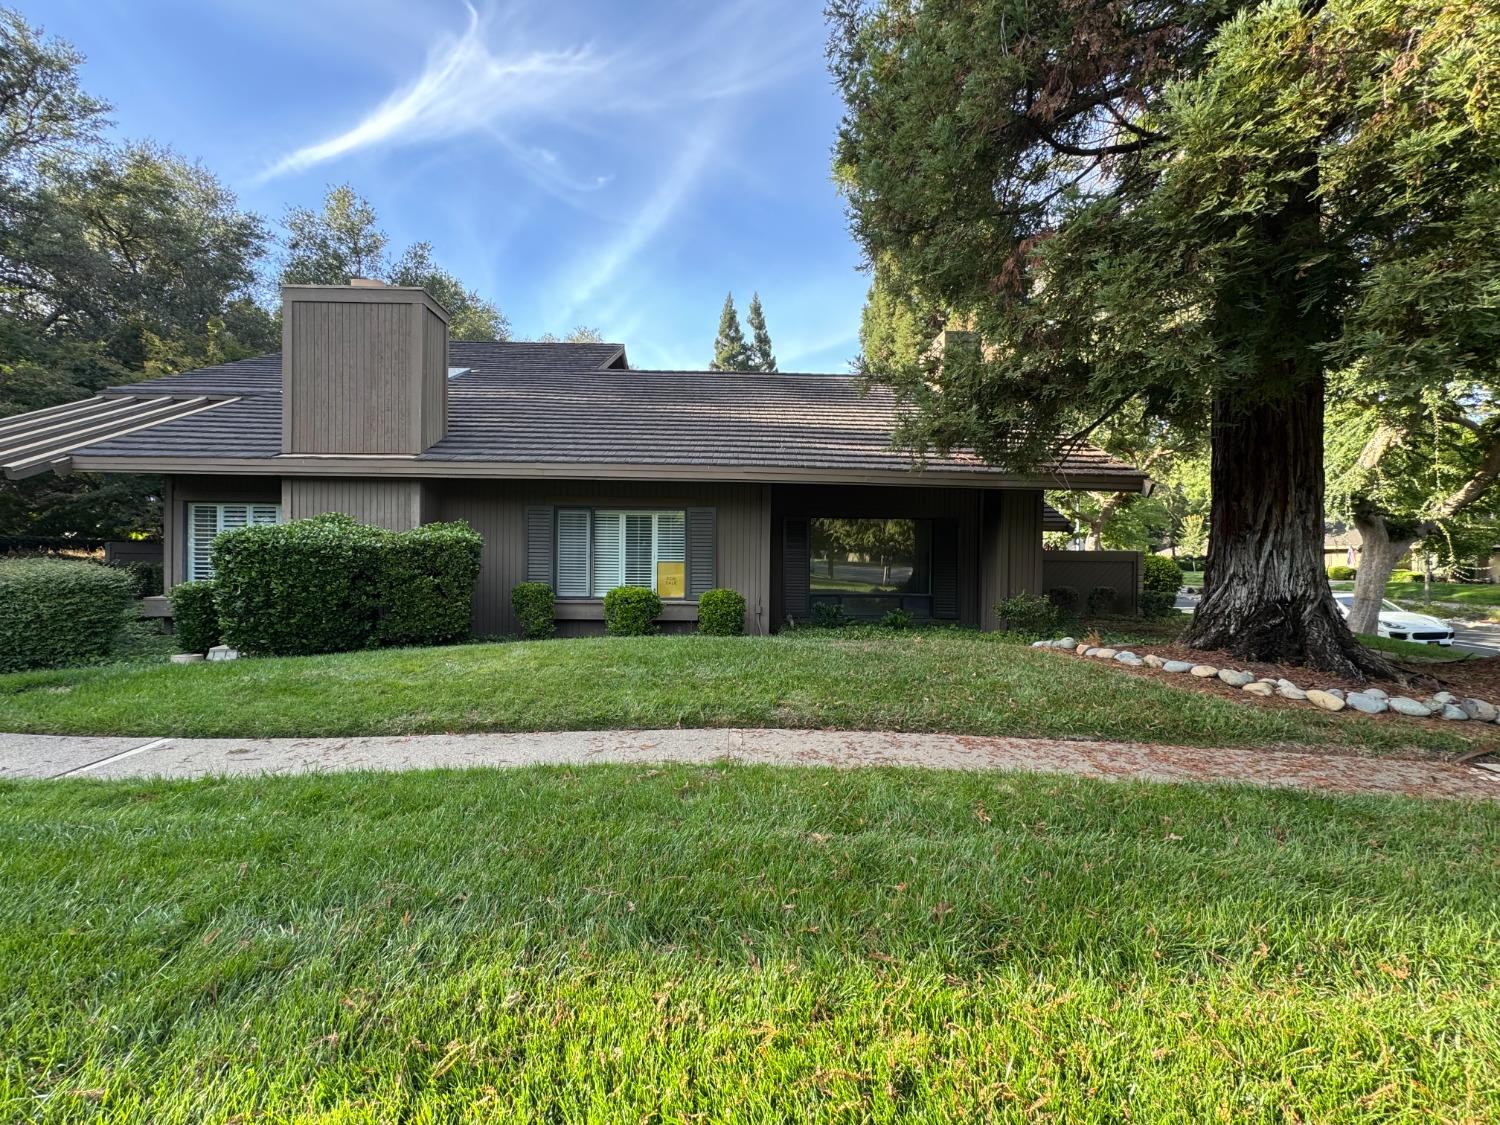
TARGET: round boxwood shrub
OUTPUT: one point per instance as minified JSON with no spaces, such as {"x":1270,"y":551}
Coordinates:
{"x":56,"y":612}
{"x":721,"y":613}
{"x":1342,"y":573}
{"x":1027,"y":615}
{"x":631,"y":611}
{"x":1067,"y":599}
{"x":1101,"y":600}
{"x":896,"y":619}
{"x":829,"y":615}
{"x":1160,"y":575}
{"x":1154,"y":603}
{"x":1405,"y":576}
{"x":535,"y":608}
{"x":195,"y":621}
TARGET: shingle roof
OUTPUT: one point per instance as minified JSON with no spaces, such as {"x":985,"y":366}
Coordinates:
{"x":528,"y":404}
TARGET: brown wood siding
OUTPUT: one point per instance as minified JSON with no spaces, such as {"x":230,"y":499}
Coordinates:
{"x":1010,"y":548}
{"x":394,"y":504}
{"x":179,"y":491}
{"x":434,"y":378}
{"x":496,"y":509}
{"x":862,"y":502}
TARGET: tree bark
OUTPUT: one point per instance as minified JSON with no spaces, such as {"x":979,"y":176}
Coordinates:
{"x":1266,"y":596}
{"x":1377,"y":560}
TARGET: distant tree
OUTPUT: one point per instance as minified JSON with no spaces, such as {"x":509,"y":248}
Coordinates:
{"x":343,"y":240}
{"x":43,"y":112}
{"x":582,"y":334}
{"x":760,"y":355}
{"x":471,"y":316}
{"x":731,"y":353}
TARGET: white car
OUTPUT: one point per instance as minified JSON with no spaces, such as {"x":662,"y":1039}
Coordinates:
{"x":1399,"y":625}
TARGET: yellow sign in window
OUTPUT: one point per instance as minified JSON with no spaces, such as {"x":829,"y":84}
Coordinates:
{"x":671,"y":580}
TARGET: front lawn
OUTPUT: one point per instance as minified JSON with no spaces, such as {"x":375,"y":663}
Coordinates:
{"x":942,"y":680}
{"x":694,"y":943}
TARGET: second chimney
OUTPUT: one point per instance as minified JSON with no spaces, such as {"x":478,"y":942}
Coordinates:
{"x":364,"y":369}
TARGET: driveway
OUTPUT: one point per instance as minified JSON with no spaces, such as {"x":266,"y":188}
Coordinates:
{"x":52,"y":756}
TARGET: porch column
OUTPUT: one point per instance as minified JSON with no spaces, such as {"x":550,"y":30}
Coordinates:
{"x":1010,"y":548}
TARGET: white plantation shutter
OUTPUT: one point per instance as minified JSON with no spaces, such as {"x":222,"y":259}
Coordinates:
{"x":639,"y":568}
{"x":609,"y":538}
{"x":573,"y":553}
{"x":204,"y":521}
{"x":671,"y":537}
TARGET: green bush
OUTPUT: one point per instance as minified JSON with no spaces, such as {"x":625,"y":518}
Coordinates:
{"x":331,"y":584}
{"x":1160,"y":575}
{"x":721,"y":613}
{"x":535,"y":606}
{"x":1027,"y":615}
{"x":1154,"y":603}
{"x":631,"y":611}
{"x":427,"y":579}
{"x":195,"y":621}
{"x":1067,"y":599}
{"x":829,"y":615}
{"x":896,"y":619}
{"x":1101,"y":600}
{"x":1405,"y":576}
{"x":56,"y":612}
{"x":1342,"y":573}
{"x":147,"y":577}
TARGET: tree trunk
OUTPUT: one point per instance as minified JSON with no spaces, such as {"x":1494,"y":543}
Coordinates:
{"x":1266,"y":596}
{"x":1377,"y":559}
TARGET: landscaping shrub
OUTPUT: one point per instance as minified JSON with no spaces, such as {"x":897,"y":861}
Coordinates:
{"x":1161,"y":575}
{"x":195,"y":621}
{"x":631,"y":611}
{"x":1027,"y":615}
{"x":896,"y":619}
{"x":829,"y":615}
{"x":1154,"y":603}
{"x":1405,"y":576}
{"x":535,"y":607}
{"x":56,"y":612}
{"x":1101,"y":600}
{"x":1342,"y":573}
{"x":1067,"y":599}
{"x":332,"y":584}
{"x":427,"y":579}
{"x":147,"y":577}
{"x":721,"y":613}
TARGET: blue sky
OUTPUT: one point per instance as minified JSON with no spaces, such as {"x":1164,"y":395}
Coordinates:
{"x":614,"y":164}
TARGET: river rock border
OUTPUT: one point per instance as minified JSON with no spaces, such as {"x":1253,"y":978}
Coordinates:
{"x":1369,"y":701}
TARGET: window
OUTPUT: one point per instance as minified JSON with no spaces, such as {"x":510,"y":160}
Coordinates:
{"x":204,"y":521}
{"x":870,"y":557}
{"x":598,"y":550}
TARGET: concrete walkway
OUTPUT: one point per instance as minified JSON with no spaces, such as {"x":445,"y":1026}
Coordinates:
{"x":49,"y":756}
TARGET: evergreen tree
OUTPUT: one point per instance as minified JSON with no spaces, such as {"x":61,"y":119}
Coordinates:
{"x":731,"y":353}
{"x":761,"y":356}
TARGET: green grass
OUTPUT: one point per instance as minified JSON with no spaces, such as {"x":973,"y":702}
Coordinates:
{"x":611,"y":943}
{"x":1413,"y":651}
{"x":939,"y":680}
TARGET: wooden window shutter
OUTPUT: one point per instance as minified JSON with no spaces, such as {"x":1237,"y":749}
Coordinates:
{"x":945,"y":568}
{"x":794,"y":570}
{"x":702,"y":566}
{"x":539,"y":544}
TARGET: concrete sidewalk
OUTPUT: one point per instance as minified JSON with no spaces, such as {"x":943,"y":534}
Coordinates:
{"x":50,"y":756}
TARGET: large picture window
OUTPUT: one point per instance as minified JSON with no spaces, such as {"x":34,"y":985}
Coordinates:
{"x":870,"y":557}
{"x":599,"y":549}
{"x":204,"y":521}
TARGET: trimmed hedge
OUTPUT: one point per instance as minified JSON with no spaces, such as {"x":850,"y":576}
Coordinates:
{"x":1101,"y":600}
{"x":331,"y":584}
{"x":1027,"y":614}
{"x":1160,"y":575}
{"x":1405,"y":576}
{"x":1342,"y":573}
{"x":147,"y":577}
{"x":631,"y":611}
{"x":536,"y":610}
{"x":1154,"y":603}
{"x":57,"y":612}
{"x":721,"y":613}
{"x":427,"y":580}
{"x":195,"y":621}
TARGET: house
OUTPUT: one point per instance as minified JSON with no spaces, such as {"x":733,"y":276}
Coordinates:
{"x":577,"y":470}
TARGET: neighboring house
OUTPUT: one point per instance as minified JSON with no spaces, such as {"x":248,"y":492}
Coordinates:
{"x":577,"y":470}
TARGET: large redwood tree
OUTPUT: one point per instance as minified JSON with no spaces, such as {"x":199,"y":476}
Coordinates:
{"x":1168,"y":206}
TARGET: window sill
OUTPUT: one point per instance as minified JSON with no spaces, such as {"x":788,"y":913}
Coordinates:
{"x":592,"y":609}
